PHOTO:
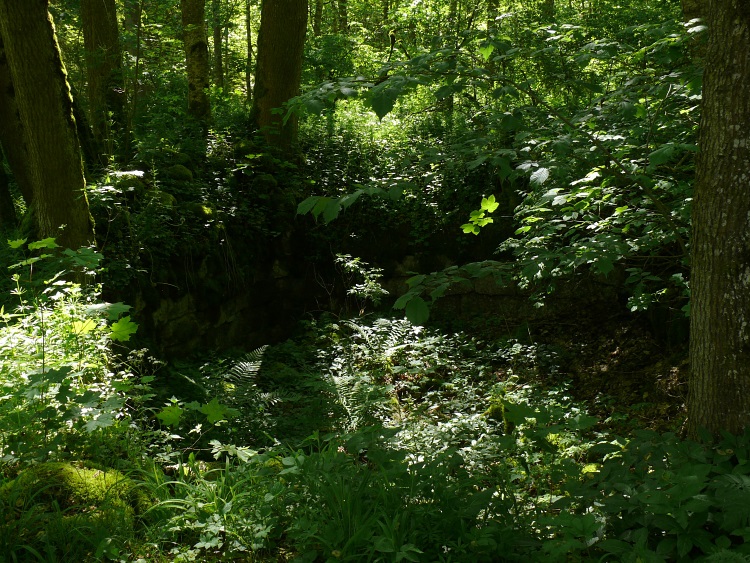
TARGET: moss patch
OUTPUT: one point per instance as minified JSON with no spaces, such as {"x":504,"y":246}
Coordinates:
{"x":68,"y":510}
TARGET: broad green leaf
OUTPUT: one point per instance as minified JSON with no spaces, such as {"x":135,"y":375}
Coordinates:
{"x":44,"y":243}
{"x":171,"y":415}
{"x":331,"y":211}
{"x":349,"y":199}
{"x":112,"y":310}
{"x":486,"y":52}
{"x":489,"y":204}
{"x":439,"y":291}
{"x":83,"y":327}
{"x":417,"y":311}
{"x":415,"y":280}
{"x":320,"y":206}
{"x":403,"y":300}
{"x":307,"y":205}
{"x":18,"y":243}
{"x":123,"y":329}
{"x":539,"y":176}
{"x":470,"y":228}
{"x":662,"y":154}
{"x":214,"y":411}
{"x":604,"y":265}
{"x":383,"y":97}
{"x":477,"y":162}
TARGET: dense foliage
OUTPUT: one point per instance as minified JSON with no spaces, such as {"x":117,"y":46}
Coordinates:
{"x":457,"y":161}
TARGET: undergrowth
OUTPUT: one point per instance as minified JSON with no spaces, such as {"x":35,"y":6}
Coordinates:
{"x":366,"y":439}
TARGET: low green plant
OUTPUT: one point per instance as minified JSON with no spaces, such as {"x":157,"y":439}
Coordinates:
{"x":56,"y":342}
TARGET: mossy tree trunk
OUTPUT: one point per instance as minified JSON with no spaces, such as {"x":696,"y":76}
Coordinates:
{"x":46,"y":110}
{"x":11,"y":130}
{"x":217,"y":25}
{"x":196,"y":58}
{"x":104,"y":73}
{"x":8,"y":217}
{"x":278,"y":73}
{"x":720,"y":278}
{"x":249,"y":58}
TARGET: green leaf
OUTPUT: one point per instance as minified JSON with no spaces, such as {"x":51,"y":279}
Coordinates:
{"x":489,"y":204}
{"x":470,"y":228}
{"x":320,"y":206}
{"x":83,"y":327}
{"x":171,"y":415}
{"x":214,"y":411}
{"x":307,"y":205}
{"x":604,"y":265}
{"x":112,"y":310}
{"x":331,"y":211}
{"x":403,"y":300}
{"x":123,"y":329}
{"x":486,"y":52}
{"x":44,"y":243}
{"x":662,"y":155}
{"x":18,"y":243}
{"x":539,"y":176}
{"x":417,"y":311}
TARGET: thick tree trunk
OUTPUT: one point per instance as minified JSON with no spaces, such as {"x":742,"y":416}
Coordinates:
{"x":46,"y":110}
{"x":720,"y":279}
{"x":196,"y":58}
{"x":691,"y":9}
{"x":8,"y":218}
{"x":277,"y":78}
{"x":132,"y":43}
{"x":249,"y":61}
{"x":104,"y":72}
{"x":11,"y":130}
{"x":218,"y":38}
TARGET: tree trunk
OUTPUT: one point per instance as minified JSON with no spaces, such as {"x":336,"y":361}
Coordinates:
{"x":720,"y":279}
{"x":218,"y":36}
{"x":104,"y":72}
{"x":277,"y":78}
{"x":11,"y":130}
{"x":8,"y":218}
{"x":196,"y":58}
{"x":249,"y":64}
{"x":46,"y":110}
{"x":317,"y":17}
{"x":132,"y":41}
{"x":343,"y":6}
{"x":691,"y":9}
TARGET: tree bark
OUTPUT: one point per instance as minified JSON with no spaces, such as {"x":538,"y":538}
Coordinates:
{"x":11,"y":130}
{"x":103,"y":56}
{"x":343,"y":9}
{"x":281,"y":41}
{"x":8,"y":218}
{"x":46,"y":110}
{"x":196,"y":58}
{"x":720,"y":279}
{"x":218,"y":38}
{"x":249,"y":61}
{"x":317,"y":17}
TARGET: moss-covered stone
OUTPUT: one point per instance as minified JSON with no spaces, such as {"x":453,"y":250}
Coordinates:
{"x":180,"y":173}
{"x":159,"y":197}
{"x":130,"y":184}
{"x":74,"y":508}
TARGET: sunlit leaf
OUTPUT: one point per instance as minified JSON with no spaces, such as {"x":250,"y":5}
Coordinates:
{"x":123,"y":329}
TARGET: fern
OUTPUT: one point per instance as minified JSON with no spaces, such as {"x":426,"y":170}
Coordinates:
{"x":246,"y":369}
{"x":733,"y":499}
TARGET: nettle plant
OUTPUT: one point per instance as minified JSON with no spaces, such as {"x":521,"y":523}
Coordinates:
{"x":56,"y":336}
